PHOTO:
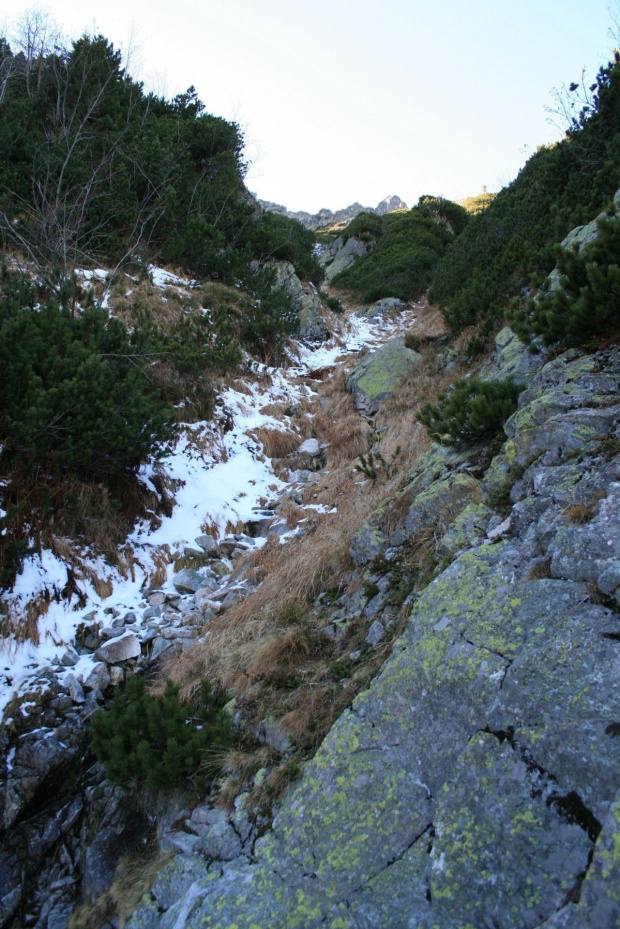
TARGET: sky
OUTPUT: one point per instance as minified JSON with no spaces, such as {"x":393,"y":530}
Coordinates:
{"x":353,"y":100}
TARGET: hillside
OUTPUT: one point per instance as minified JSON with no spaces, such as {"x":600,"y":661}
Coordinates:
{"x":310,"y":556}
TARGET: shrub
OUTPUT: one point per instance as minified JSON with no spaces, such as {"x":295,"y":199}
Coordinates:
{"x":510,"y":244}
{"x":284,"y":238}
{"x":587,"y":303}
{"x":407,"y":249}
{"x":333,"y":304}
{"x":74,"y":391}
{"x":149,"y":740}
{"x":270,"y":316}
{"x":365,"y":227}
{"x":471,"y":410}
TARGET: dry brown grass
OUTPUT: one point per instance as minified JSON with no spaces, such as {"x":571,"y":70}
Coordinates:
{"x":581,"y":513}
{"x":293,"y":513}
{"x":277,"y":443}
{"x":133,"y":878}
{"x":292,"y":576}
{"x":429,"y":325}
{"x":269,"y":649}
{"x":161,"y":558}
{"x":540,"y":571}
{"x":78,"y":569}
{"x":277,"y":410}
{"x":397,"y":422}
{"x":26,"y":628}
{"x":271,"y":789}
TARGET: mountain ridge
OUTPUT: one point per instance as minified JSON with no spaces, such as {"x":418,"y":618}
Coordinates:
{"x":326,"y":217}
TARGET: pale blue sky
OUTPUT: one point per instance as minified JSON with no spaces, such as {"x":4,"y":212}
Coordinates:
{"x":345,"y":100}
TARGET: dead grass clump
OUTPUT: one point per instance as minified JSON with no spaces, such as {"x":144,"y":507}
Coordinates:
{"x":263,"y":796}
{"x":293,"y":513}
{"x":26,"y":629}
{"x":279,"y":653}
{"x":127,"y":562}
{"x":396,"y":421}
{"x":277,"y":410}
{"x":276,"y":443}
{"x":429,"y":324}
{"x":346,"y":437}
{"x":78,"y":568}
{"x":161,"y":558}
{"x":540,"y":571}
{"x":242,"y":764}
{"x":581,"y":513}
{"x":133,"y":878}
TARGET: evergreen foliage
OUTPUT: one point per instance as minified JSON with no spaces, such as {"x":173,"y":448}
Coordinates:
{"x":75,"y":395}
{"x":95,"y":169}
{"x":510,"y":245}
{"x":587,"y":302}
{"x":408,"y":245}
{"x":284,"y":238}
{"x":471,"y":410}
{"x":149,"y":740}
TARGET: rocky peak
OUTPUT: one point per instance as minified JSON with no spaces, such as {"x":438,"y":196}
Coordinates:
{"x":389,"y":204}
{"x":326,"y":217}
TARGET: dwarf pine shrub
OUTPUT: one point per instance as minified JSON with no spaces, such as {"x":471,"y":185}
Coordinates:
{"x":471,"y":410}
{"x":587,"y":303}
{"x":149,"y":740}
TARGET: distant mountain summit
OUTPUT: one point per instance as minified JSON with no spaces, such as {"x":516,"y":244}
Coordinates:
{"x":330,"y":218}
{"x":389,"y":204}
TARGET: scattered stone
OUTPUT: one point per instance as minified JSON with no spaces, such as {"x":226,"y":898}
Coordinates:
{"x":160,"y":645}
{"x":378,"y":375}
{"x":74,"y":688}
{"x":119,"y":649}
{"x":188,"y":581}
{"x":221,"y":842}
{"x":499,"y":531}
{"x":70,"y":658}
{"x":208,"y":544}
{"x":180,"y":842}
{"x":271,"y":732}
{"x":375,"y":633}
{"x":117,"y":676}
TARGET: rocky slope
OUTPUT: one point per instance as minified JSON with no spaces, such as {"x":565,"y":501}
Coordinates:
{"x":63,"y":827}
{"x":477,"y":781}
{"x":327,"y":217}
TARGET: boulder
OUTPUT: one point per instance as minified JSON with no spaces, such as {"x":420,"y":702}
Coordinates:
{"x":512,"y":360}
{"x":188,"y":581}
{"x":120,"y":649}
{"x":379,"y":374}
{"x":312,"y":327}
{"x":341,"y":256}
{"x":382,"y":307}
{"x":308,"y":457}
{"x":208,"y":544}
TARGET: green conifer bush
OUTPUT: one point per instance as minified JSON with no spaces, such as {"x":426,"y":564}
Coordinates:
{"x":153,"y":741}
{"x":587,"y":302}
{"x":75,"y":395}
{"x":510,"y":245}
{"x":471,"y":410}
{"x":409,"y":244}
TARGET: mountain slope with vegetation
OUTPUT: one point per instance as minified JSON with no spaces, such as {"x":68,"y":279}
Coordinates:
{"x":511,"y":244}
{"x":357,"y":663}
{"x":99,"y":178}
{"x":404,"y":248}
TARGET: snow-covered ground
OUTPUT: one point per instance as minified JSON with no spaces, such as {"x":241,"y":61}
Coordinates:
{"x":223,"y":477}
